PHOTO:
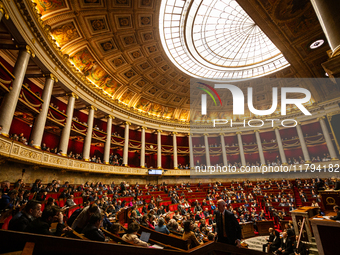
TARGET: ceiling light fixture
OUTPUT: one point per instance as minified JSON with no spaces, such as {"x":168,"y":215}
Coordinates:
{"x":317,"y":44}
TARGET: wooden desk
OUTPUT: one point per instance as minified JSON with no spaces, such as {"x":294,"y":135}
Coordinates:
{"x":263,"y":227}
{"x":247,"y":230}
{"x":326,"y":234}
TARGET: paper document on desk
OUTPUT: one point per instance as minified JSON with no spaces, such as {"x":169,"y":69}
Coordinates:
{"x":318,"y":219}
{"x":326,"y":217}
{"x":156,"y":246}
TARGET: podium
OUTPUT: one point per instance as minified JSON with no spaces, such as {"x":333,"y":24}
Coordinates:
{"x":329,"y":199}
{"x":306,"y":213}
{"x":247,"y":230}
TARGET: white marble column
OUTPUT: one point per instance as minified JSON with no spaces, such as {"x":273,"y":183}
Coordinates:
{"x":88,"y":138}
{"x":328,"y":139}
{"x":10,"y":100}
{"x":65,"y":133}
{"x":159,"y":149}
{"x":327,"y":12}
{"x":191,"y":152}
{"x":174,"y":143}
{"x":259,"y":145}
{"x":107,"y":146}
{"x":240,"y":145}
{"x":207,"y":151}
{"x":303,"y":143}
{"x":224,"y":152}
{"x":279,"y":143}
{"x":142,"y":149}
{"x":126,"y":144}
{"x":3,"y":12}
{"x":39,"y":123}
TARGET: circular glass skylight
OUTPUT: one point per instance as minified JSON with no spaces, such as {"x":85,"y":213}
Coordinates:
{"x":216,"y":39}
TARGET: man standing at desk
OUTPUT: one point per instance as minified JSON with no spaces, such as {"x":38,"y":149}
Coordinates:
{"x":228,"y":229}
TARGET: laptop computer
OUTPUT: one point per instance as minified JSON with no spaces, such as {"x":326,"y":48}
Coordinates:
{"x":145,"y":236}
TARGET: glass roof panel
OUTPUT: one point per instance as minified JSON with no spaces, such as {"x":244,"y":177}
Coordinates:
{"x":219,"y":37}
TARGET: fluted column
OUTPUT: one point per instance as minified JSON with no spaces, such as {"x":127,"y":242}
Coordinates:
{"x":10,"y":100}
{"x":126,"y":144}
{"x":159,"y":149}
{"x":259,"y":145}
{"x":39,"y":124}
{"x":191,"y":152}
{"x":224,"y":152}
{"x":88,"y":138}
{"x":3,"y":11}
{"x":328,"y":139}
{"x":142,"y":149}
{"x":279,"y":143}
{"x":240,"y":144}
{"x":65,"y":133}
{"x":107,"y":147}
{"x":207,"y":151}
{"x":328,"y":15}
{"x":303,"y":143}
{"x":174,"y":143}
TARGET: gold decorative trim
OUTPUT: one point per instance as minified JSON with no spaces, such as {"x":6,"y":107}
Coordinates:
{"x":159,"y":131}
{"x":5,"y":134}
{"x":37,"y":147}
{"x":144,"y":128}
{"x":4,"y":11}
{"x":127,"y":123}
{"x":86,"y":159}
{"x":176,"y":168}
{"x":92,"y":107}
{"x":109,"y":117}
{"x":239,"y":133}
{"x":30,"y":51}
{"x":72,"y":94}
{"x":52,"y":77}
{"x":159,"y":167}
{"x":64,"y":154}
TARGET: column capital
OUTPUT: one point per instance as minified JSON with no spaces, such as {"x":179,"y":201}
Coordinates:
{"x":4,"y":11}
{"x":189,"y":134}
{"x":299,"y":123}
{"x":109,"y":117}
{"x":239,"y":133}
{"x":321,"y":118}
{"x":206,"y":134}
{"x":92,"y":107}
{"x":145,"y":128}
{"x":159,"y":131}
{"x":72,"y":94}
{"x":275,"y":128}
{"x":51,"y":76}
{"x":127,"y":123}
{"x":174,"y":133}
{"x":256,"y":131}
{"x":222,"y":134}
{"x":29,"y":51}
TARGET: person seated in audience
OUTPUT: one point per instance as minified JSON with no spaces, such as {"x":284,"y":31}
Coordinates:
{"x":115,"y":228}
{"x":243,"y":219}
{"x":304,"y":199}
{"x":285,"y":246}
{"x":31,"y":212}
{"x":92,"y":229}
{"x":41,"y":225}
{"x":83,"y":218}
{"x":336,"y":210}
{"x":299,"y":250}
{"x":273,"y":241}
{"x":161,"y":227}
{"x":189,"y":235}
{"x":131,"y":235}
{"x":315,"y":204}
{"x":8,"y":200}
{"x":70,"y":202}
{"x":152,"y":222}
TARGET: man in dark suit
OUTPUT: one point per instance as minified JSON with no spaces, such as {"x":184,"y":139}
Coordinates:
{"x":92,"y":231}
{"x":228,"y":229}
{"x":337,"y":184}
{"x":286,"y":246}
{"x":273,"y":241}
{"x":336,"y":209}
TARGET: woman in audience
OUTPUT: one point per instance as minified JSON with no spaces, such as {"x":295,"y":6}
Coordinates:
{"x":189,"y":235}
{"x":131,"y":235}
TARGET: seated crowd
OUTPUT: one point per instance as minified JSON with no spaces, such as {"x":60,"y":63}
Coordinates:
{"x":192,"y":219}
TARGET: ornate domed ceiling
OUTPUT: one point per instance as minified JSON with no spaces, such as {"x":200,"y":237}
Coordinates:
{"x":116,"y":45}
